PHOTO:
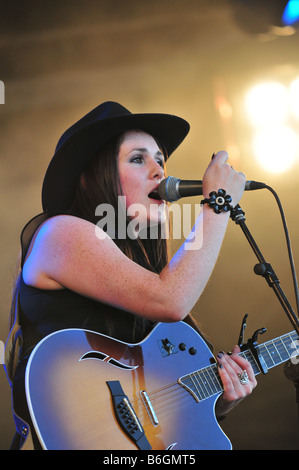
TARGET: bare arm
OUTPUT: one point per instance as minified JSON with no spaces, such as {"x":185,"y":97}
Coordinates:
{"x":66,"y":253}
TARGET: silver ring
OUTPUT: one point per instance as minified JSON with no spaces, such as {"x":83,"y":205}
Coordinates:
{"x":243,"y":377}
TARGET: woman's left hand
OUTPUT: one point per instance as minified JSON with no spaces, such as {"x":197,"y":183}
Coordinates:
{"x":237,"y":378}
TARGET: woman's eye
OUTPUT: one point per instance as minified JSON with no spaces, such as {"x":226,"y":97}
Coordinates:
{"x":137,"y":159}
{"x":161,"y":162}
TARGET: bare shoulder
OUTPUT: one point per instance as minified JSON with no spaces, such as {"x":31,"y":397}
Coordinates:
{"x":69,"y":229}
{"x":60,"y":240}
{"x":60,"y":225}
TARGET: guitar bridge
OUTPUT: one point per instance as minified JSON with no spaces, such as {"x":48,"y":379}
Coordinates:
{"x":126,"y":416}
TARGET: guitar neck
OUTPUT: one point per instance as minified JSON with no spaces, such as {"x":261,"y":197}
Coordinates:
{"x":274,"y":352}
{"x":206,"y":382}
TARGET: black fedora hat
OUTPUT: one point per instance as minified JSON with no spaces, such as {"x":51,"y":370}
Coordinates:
{"x":80,"y":142}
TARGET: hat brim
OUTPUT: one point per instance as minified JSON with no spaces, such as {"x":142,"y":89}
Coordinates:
{"x":74,"y":154}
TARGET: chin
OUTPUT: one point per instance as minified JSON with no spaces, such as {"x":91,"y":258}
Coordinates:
{"x":148,"y":218}
{"x":157,"y":212}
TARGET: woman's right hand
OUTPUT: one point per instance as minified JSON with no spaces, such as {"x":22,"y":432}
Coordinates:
{"x":220,"y":175}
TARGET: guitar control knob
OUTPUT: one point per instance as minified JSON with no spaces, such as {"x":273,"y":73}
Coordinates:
{"x":168,"y":346}
{"x":182,"y":347}
{"x":192,"y":351}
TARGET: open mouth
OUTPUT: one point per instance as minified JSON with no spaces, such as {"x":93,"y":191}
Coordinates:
{"x":155,"y":195}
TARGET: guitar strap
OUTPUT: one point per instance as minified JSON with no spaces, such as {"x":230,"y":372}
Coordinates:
{"x":14,"y":341}
{"x":12,"y":354}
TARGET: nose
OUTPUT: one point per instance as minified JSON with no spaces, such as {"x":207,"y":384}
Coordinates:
{"x":156,"y":170}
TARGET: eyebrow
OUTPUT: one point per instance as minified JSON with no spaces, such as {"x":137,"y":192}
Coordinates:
{"x":143,"y":149}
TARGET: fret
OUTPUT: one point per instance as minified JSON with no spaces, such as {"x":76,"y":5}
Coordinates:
{"x":206,"y":382}
{"x":274,"y":352}
{"x":250,"y":358}
{"x":195,"y":387}
{"x":288,"y":342}
{"x":291,"y":344}
{"x":214,"y":378}
{"x":281,"y":349}
{"x":268,"y":354}
{"x":203,"y":383}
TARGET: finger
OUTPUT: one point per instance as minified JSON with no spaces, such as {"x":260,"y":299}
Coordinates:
{"x":228,"y":369}
{"x":243,"y":363}
{"x":220,"y":157}
{"x":242,"y":175}
{"x":233,"y":390}
{"x":234,"y":365}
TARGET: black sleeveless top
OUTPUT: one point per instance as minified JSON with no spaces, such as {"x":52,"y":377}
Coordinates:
{"x":44,"y":311}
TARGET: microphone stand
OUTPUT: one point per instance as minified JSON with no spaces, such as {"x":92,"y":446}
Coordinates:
{"x":265,"y":269}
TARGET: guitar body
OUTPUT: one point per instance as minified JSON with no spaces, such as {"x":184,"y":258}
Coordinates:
{"x":71,"y":404}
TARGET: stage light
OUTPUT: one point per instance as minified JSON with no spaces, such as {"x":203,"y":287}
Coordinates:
{"x":259,"y":16}
{"x":276,"y":148}
{"x":291,"y":13}
{"x":267,"y":104}
{"x":294,"y":97}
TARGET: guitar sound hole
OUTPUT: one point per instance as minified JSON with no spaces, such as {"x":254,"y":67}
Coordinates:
{"x":94,"y":355}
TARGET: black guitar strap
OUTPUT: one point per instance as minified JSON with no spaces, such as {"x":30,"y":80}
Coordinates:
{"x":12,"y":354}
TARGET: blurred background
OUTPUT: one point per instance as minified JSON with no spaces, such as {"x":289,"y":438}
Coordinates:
{"x":230,"y":68}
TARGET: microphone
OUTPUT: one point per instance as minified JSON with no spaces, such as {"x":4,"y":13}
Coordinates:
{"x":171,"y":189}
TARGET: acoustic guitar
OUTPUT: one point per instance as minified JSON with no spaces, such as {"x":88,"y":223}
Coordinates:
{"x":86,"y":390}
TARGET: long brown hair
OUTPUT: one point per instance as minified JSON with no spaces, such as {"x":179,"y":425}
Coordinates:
{"x":100,"y":184}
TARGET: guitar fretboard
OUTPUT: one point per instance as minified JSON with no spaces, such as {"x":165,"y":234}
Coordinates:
{"x":206,"y":382}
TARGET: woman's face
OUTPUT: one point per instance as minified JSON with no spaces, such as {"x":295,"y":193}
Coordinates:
{"x":141,"y":169}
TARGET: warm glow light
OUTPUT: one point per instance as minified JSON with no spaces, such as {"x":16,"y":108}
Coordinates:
{"x":276,"y":148}
{"x":294,"y":97}
{"x":267,"y":104}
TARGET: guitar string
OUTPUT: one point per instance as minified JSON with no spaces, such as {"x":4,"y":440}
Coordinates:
{"x":176,"y":392}
{"x":162,"y":394}
{"x":248,"y":356}
{"x":179,"y":394}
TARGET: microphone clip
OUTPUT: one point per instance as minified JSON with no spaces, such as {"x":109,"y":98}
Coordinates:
{"x":237,"y":214}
